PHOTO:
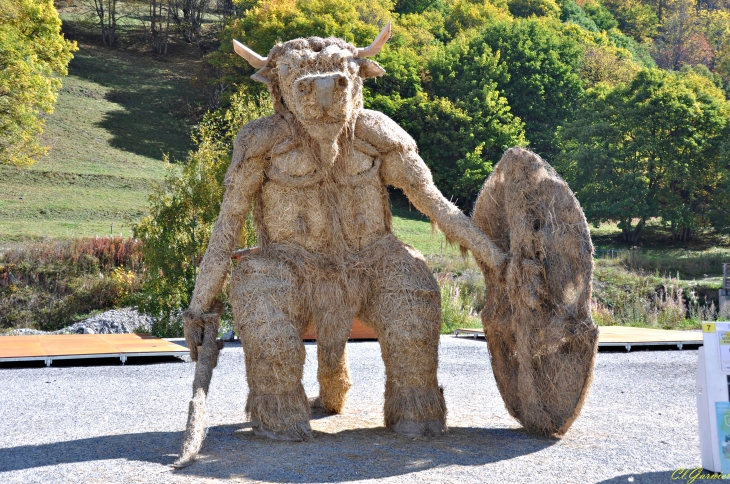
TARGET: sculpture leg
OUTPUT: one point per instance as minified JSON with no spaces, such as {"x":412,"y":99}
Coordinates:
{"x":334,"y":309}
{"x":266,"y":309}
{"x":334,"y":382}
{"x":405,"y":311}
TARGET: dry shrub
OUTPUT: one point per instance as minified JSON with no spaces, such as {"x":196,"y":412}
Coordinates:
{"x":537,"y":317}
{"x":602,"y":316}
{"x":49,"y":285}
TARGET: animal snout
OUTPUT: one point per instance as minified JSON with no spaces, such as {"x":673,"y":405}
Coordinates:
{"x":323,"y":87}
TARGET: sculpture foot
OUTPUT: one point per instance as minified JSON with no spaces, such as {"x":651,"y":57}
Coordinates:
{"x":411,"y":428}
{"x":301,"y":431}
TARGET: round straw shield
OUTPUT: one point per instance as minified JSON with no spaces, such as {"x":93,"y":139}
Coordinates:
{"x":537,"y":318}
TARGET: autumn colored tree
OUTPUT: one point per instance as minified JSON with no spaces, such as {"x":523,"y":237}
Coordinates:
{"x":33,"y":54}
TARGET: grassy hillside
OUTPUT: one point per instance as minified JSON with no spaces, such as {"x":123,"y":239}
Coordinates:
{"x":117,"y":115}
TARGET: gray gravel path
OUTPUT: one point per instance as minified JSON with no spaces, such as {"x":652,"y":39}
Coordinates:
{"x":124,"y":424}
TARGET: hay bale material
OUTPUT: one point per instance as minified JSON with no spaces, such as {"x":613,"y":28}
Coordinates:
{"x":537,"y":319}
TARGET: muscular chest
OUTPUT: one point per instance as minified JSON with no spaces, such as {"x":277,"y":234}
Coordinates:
{"x":320,"y":206}
{"x":292,"y":164}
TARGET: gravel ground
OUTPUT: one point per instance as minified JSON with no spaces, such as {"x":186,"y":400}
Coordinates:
{"x":112,"y":423}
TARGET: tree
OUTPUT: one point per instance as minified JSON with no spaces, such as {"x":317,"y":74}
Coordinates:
{"x":538,"y":8}
{"x":679,"y":37}
{"x":635,"y":18}
{"x":606,"y":64}
{"x":464,"y":15}
{"x":600,"y":15}
{"x":182,"y":213}
{"x":543,"y":85}
{"x":716,"y":28}
{"x":464,"y":129}
{"x":33,"y":53}
{"x":160,"y":20}
{"x":107,"y":18}
{"x":650,"y":148}
{"x":188,"y":17}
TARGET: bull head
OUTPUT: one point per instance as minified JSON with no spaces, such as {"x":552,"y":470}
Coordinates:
{"x":260,"y":62}
{"x":317,"y":80}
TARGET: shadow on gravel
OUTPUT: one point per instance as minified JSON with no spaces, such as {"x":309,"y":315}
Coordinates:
{"x":234,"y":452}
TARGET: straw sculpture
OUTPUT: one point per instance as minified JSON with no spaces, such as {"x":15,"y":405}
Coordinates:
{"x":316,"y":172}
{"x":537,"y":318}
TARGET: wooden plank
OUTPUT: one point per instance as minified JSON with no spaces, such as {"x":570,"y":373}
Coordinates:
{"x":83,"y":345}
{"x":139,"y":343}
{"x":358,"y":331}
{"x":624,"y":334}
{"x":21,"y":346}
{"x":627,"y":335}
{"x":75,"y":344}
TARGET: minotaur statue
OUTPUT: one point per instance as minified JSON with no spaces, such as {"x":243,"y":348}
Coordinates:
{"x":316,"y":172}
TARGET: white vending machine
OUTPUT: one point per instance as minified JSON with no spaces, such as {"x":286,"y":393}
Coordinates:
{"x":713,"y":397}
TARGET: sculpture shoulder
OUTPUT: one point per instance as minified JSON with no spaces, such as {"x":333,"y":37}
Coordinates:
{"x":382,"y":132}
{"x":253,"y":142}
{"x":260,"y":135}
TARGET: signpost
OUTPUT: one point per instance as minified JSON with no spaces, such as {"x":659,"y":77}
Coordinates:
{"x":713,"y":397}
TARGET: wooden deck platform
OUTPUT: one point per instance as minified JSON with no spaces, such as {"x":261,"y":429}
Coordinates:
{"x":359,"y":331}
{"x":625,"y":336}
{"x":72,"y":346}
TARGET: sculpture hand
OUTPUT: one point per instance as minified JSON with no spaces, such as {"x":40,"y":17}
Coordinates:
{"x":193,"y":325}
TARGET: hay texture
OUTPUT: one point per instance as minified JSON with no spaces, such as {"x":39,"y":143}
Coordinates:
{"x":317,"y":172}
{"x":202,"y":335}
{"x":537,"y":319}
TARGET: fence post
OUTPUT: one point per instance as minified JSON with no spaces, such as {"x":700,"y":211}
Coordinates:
{"x":724,"y":300}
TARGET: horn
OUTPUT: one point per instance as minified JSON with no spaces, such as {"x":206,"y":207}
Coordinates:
{"x":377,"y":44}
{"x":252,"y":57}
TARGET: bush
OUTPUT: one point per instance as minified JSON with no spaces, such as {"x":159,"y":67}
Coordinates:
{"x":462,"y":298}
{"x":50,"y":285}
{"x":635,"y":298}
{"x":183,"y":210}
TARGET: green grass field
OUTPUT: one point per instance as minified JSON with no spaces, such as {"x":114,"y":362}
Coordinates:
{"x":118,"y":114}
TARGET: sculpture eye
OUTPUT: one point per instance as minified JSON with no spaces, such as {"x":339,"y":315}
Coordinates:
{"x":342,"y":82}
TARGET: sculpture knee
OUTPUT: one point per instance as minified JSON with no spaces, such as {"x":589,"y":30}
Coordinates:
{"x":265,"y":312}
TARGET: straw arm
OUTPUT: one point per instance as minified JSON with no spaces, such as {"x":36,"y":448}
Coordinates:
{"x":243,"y":179}
{"x":407,"y":171}
{"x":403,"y":168}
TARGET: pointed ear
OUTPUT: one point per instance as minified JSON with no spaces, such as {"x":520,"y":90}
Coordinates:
{"x":369,"y":68}
{"x":263,"y":75}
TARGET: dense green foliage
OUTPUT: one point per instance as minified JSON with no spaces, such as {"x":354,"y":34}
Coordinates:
{"x":467,"y":79}
{"x":470,"y":78}
{"x":33,"y":52}
{"x":656,"y":147}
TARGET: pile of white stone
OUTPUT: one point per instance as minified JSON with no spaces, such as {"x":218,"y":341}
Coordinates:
{"x":116,"y":321}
